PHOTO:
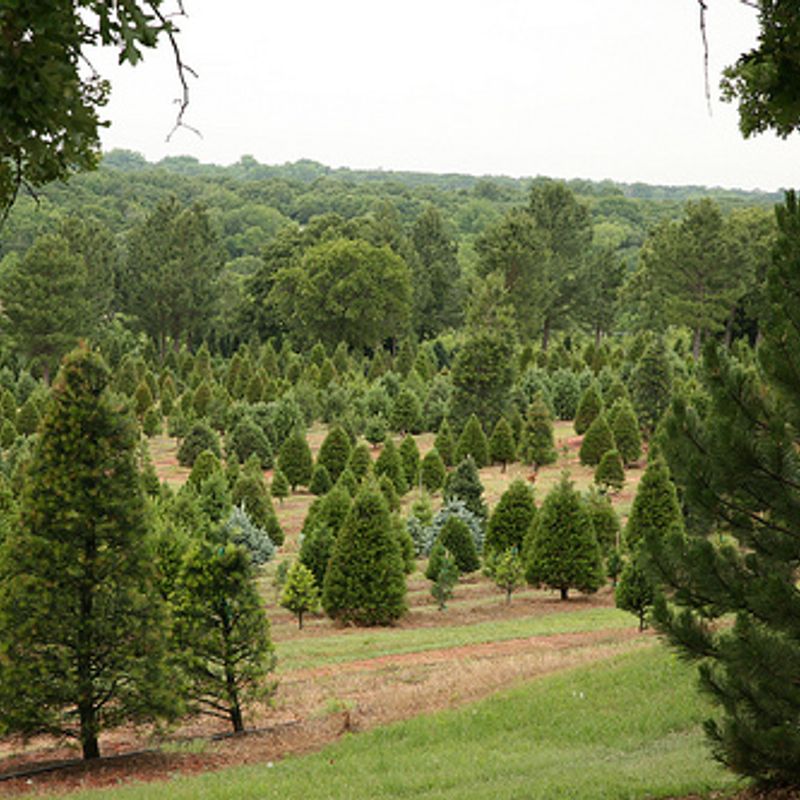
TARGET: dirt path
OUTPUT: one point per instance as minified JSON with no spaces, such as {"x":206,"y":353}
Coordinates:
{"x":313,"y":707}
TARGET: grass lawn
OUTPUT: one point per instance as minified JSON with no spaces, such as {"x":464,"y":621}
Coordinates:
{"x":626,"y":728}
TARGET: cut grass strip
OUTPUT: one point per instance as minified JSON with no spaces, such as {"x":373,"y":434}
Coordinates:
{"x":627,"y":728}
{"x":375,"y":642}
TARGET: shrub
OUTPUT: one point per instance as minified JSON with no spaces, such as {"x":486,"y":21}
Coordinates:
{"x":300,"y":593}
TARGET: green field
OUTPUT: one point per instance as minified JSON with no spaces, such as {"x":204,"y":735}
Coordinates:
{"x":627,"y":728}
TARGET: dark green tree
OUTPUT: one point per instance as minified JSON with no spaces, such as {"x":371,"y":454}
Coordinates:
{"x":365,"y":581}
{"x":43,"y":301}
{"x":406,"y":412}
{"x":390,"y":463}
{"x":589,"y":406}
{"x":510,"y":519}
{"x":625,"y":428}
{"x":221,"y":632}
{"x":409,"y":455}
{"x":651,"y":385}
{"x":605,"y":520}
{"x":321,"y":482}
{"x":335,"y":451}
{"x":561,"y":550}
{"x":443,"y":572}
{"x":457,"y":540}
{"x":198,"y":439}
{"x":82,"y":629}
{"x":501,"y":443}
{"x":295,"y":460}
{"x":635,"y":591}
{"x":360,"y":461}
{"x":610,"y":473}
{"x":655,"y":507}
{"x":473,"y":442}
{"x":432,"y":471}
{"x":279,"y":485}
{"x":537,"y":445}
{"x":597,"y":442}
{"x":249,"y":439}
{"x":445,"y":445}
{"x":464,"y":484}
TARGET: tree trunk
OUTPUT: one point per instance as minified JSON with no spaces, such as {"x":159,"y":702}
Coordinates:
{"x":300,"y":620}
{"x":88,"y":719}
{"x":564,"y":592}
{"x":508,"y":596}
{"x":545,"y":335}
{"x":236,"y":718}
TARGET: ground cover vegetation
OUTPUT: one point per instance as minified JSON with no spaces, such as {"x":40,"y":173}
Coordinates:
{"x":383,"y":383}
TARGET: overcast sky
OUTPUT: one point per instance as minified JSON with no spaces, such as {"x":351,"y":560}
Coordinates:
{"x":569,"y":89}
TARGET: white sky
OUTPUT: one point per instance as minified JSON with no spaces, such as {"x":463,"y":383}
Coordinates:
{"x":565,"y":88}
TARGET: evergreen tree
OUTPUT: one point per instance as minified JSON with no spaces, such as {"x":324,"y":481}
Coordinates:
{"x":82,"y":636}
{"x":204,"y":466}
{"x":501,"y":443}
{"x":464,"y":484}
{"x":375,"y":429}
{"x":734,"y":453}
{"x":295,"y":460}
{"x":432,"y":471}
{"x":456,"y":538}
{"x":610,"y":474}
{"x":241,"y":530}
{"x":445,"y":444}
{"x":247,"y":439}
{"x":443,"y":571}
{"x":597,"y":441}
{"x":300,"y":593}
{"x":348,"y":482}
{"x":537,"y":446}
{"x":406,"y":412}
{"x":221,"y":632}
{"x":360,"y":461}
{"x":199,"y":438}
{"x":365,"y":581}
{"x":605,"y":520}
{"x":635,"y":591}
{"x":389,"y":493}
{"x":320,"y":480}
{"x":651,"y":385}
{"x":589,"y":406}
{"x":506,"y":570}
{"x":279,"y":486}
{"x":142,"y":399}
{"x":334,"y":452}
{"x":561,"y":550}
{"x":625,"y":428}
{"x":655,"y":507}
{"x":390,"y":464}
{"x":409,"y":455}
{"x":511,"y":518}
{"x":473,"y":442}
{"x":250,"y":493}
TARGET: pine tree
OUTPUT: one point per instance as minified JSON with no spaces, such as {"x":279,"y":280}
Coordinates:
{"x":605,"y":520}
{"x":625,"y":428}
{"x":247,"y":439}
{"x":320,"y":480}
{"x":464,"y":484}
{"x":511,"y":518}
{"x":295,"y":460}
{"x":406,"y":412}
{"x":204,"y":466}
{"x":537,"y":446}
{"x":390,"y":464}
{"x":456,"y":538}
{"x":589,"y":406}
{"x":221,"y":632}
{"x":409,"y":455}
{"x":279,"y":486}
{"x":597,"y":441}
{"x":635,"y":591}
{"x":365,"y":581}
{"x":432,"y":471}
{"x":334,"y":452}
{"x":82,"y":639}
{"x":655,"y":507}
{"x":506,"y":570}
{"x":443,"y":571}
{"x":473,"y":442}
{"x":610,"y":474}
{"x":731,"y":577}
{"x":501,"y":443}
{"x":561,"y":550}
{"x":360,"y":461}
{"x":199,"y":438}
{"x":651,"y":385}
{"x":300,"y":593}
{"x":445,"y":445}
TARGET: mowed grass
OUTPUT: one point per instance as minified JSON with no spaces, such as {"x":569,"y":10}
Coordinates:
{"x":626,"y":728}
{"x":375,"y":642}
